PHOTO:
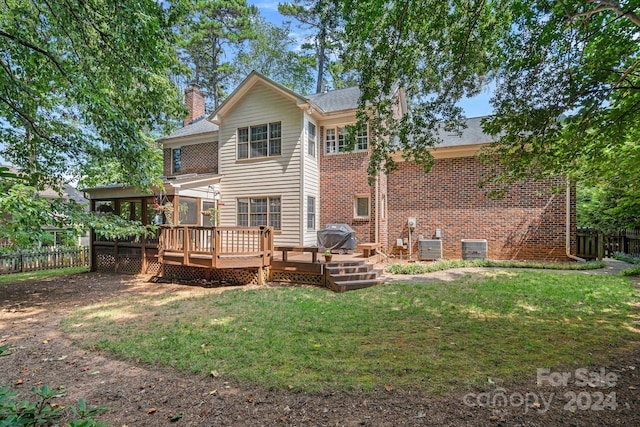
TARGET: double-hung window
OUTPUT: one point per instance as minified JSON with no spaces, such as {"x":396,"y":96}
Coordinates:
{"x":362,"y":139}
{"x":342,"y":140}
{"x":257,"y":211}
{"x":311,"y":213}
{"x":311,"y":139}
{"x":260,"y":141}
{"x":330,"y":141}
{"x":336,"y":140}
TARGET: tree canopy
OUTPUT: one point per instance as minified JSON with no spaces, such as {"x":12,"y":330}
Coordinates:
{"x":86,"y":80}
{"x":212,"y":31}
{"x":566,"y":74}
{"x":322,"y":18}
{"x":83,"y":86}
{"x":271,"y":53}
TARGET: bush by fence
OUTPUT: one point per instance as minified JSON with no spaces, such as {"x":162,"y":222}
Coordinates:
{"x":43,"y":259}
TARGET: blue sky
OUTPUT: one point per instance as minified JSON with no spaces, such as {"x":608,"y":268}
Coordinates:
{"x":269,"y":10}
{"x":474,"y":107}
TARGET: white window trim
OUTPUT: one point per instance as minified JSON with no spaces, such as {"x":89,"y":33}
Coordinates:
{"x":355,"y":205}
{"x":315,"y":139}
{"x":315,"y":211}
{"x":336,"y":129}
{"x":268,"y":197}
{"x":248,"y":127}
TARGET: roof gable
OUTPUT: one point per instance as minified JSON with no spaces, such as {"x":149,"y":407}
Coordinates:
{"x":252,"y":79}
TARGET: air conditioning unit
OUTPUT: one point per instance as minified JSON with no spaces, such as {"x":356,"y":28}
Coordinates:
{"x":429,"y":249}
{"x":474,"y":249}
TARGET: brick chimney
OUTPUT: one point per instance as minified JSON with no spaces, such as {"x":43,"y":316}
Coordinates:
{"x":194,"y":101}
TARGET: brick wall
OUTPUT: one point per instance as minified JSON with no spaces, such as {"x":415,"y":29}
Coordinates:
{"x":529,"y":223}
{"x":196,"y":158}
{"x":194,"y":101}
{"x":342,"y":176}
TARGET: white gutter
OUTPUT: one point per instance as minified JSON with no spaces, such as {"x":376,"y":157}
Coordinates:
{"x":568,"y":226}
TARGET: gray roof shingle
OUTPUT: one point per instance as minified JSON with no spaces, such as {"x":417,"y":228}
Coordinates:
{"x":471,"y":135}
{"x":202,"y":126}
{"x":336,"y":100}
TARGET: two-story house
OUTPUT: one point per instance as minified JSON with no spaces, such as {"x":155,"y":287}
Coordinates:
{"x":269,"y":156}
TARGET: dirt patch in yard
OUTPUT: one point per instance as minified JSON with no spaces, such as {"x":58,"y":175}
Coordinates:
{"x":143,"y":395}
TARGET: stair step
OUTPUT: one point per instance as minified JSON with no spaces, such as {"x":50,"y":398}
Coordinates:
{"x":356,"y":284}
{"x":354,"y":276}
{"x":344,"y":263}
{"x":349,"y":269}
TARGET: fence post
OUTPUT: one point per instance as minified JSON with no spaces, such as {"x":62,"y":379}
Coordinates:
{"x":600,"y":245}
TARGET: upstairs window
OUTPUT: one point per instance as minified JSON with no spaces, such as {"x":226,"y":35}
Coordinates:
{"x":330,"y":141}
{"x":176,"y":160}
{"x":311,"y":139}
{"x":362,"y":139}
{"x":336,"y":140}
{"x":260,"y":141}
{"x":342,"y":140}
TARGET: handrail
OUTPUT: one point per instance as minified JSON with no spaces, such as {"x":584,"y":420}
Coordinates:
{"x":216,"y":243}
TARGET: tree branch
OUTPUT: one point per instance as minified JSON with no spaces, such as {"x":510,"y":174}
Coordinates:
{"x":37,"y":49}
{"x":612,"y":5}
{"x":30,"y":120}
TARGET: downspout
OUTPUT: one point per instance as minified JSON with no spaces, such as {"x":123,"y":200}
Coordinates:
{"x":568,"y":226}
{"x":376,"y":224}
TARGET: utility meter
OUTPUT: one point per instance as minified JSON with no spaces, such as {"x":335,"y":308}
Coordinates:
{"x":411,"y":222}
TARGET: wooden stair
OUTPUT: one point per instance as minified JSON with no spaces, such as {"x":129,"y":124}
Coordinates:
{"x":351,"y":275}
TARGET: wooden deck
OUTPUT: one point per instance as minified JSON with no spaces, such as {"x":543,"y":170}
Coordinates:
{"x":216,"y":247}
{"x":239,"y":255}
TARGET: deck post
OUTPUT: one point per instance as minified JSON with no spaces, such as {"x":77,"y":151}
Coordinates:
{"x":216,"y":247}
{"x":260,"y":276}
{"x":143,"y":240}
{"x":92,"y":235}
{"x":185,"y":245}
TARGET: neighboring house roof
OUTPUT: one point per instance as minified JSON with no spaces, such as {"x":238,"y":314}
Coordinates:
{"x":74,"y":194}
{"x":201,"y":126}
{"x":471,"y":135}
{"x":69,"y":192}
{"x":336,"y":100}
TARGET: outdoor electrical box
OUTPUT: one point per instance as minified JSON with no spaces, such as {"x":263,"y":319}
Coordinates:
{"x":411,"y":222}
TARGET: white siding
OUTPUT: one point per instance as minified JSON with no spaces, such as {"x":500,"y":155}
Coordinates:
{"x":311,"y":183}
{"x":271,"y":176}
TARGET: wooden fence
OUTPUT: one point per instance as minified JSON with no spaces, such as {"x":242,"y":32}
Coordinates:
{"x":43,"y":259}
{"x":595,"y":244}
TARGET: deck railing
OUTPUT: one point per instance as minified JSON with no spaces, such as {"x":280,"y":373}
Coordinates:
{"x":225,"y":247}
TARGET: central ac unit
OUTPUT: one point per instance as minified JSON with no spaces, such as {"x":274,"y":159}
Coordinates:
{"x":429,"y":249}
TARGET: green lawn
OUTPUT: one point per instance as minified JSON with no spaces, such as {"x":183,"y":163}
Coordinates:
{"x":438,"y":337}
